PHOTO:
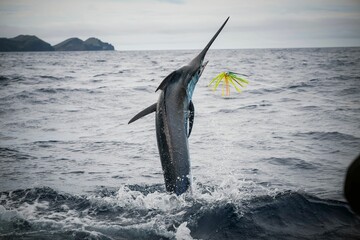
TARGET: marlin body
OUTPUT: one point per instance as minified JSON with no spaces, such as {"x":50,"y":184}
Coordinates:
{"x":174,"y":120}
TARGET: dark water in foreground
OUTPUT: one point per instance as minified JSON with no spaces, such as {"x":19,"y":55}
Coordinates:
{"x":267,"y":164}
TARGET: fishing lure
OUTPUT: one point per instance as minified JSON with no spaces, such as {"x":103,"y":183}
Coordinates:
{"x":228,"y":78}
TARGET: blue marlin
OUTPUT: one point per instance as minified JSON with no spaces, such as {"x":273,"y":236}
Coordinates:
{"x":174,"y":119}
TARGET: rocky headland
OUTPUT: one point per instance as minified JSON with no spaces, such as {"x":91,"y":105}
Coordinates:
{"x":30,"y":43}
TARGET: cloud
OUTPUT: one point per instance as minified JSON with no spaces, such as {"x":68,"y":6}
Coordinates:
{"x":187,"y":23}
{"x":173,"y":1}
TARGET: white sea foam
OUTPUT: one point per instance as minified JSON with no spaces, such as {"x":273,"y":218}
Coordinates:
{"x":183,"y":233}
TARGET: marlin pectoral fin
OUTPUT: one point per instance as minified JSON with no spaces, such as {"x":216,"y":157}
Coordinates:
{"x":167,"y":80}
{"x":144,"y":112}
{"x":191,"y":117}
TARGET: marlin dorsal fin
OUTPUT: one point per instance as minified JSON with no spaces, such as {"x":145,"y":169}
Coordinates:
{"x":167,"y":80}
{"x":144,"y":112}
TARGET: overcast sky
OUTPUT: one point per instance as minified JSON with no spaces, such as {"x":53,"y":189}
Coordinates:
{"x":187,"y":24}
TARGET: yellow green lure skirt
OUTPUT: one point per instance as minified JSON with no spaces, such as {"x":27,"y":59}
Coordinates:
{"x":228,"y":78}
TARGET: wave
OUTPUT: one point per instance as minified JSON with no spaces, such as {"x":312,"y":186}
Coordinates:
{"x":331,"y":136}
{"x":3,"y":78}
{"x":143,"y":89}
{"x":139,"y":212}
{"x":49,"y":77}
{"x":264,"y":91}
{"x":295,"y":163}
{"x":348,"y":91}
{"x":65,"y":90}
{"x":6,"y":80}
{"x":262,"y":105}
{"x":8,"y":154}
{"x":36,"y":96}
{"x":299,"y":85}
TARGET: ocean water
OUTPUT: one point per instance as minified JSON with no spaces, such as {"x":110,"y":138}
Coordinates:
{"x":268,"y":163}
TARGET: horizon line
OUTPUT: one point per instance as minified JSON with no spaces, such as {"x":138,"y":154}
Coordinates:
{"x":245,"y":48}
{"x":192,"y":49}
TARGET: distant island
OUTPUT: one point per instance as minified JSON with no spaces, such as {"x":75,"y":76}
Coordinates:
{"x":30,"y":43}
{"x":76,"y":44}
